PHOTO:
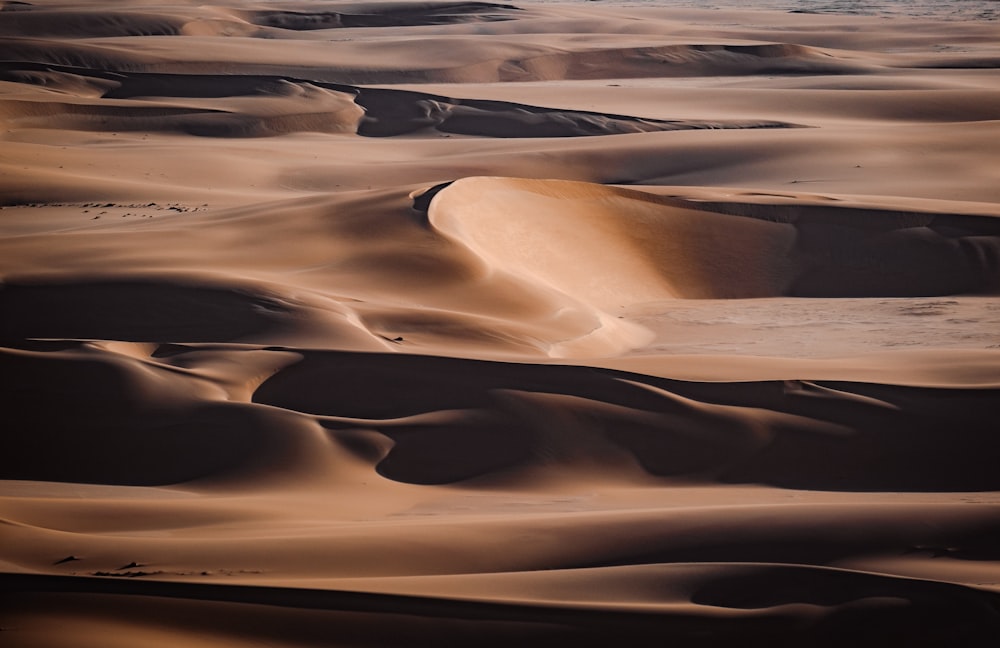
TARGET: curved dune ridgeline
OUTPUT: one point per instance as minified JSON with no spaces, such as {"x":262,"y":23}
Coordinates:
{"x":640,"y":247}
{"x":270,"y":105}
{"x":429,"y":323}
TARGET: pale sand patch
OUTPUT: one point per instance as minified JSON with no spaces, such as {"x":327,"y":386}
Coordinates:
{"x":698,"y":346}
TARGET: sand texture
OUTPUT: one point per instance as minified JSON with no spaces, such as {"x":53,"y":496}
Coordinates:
{"x":357,"y":324}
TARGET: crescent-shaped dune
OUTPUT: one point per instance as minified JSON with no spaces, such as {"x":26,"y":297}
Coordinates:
{"x":441,"y":323}
{"x":639,"y":247}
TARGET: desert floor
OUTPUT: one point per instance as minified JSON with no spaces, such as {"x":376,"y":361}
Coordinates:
{"x":540,"y":324}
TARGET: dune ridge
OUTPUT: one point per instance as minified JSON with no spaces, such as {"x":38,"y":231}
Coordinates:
{"x":589,"y":624}
{"x":650,"y":248}
{"x":376,"y":112}
{"x":466,"y":323}
{"x":453,"y":420}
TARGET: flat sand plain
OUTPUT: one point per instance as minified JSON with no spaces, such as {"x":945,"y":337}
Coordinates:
{"x":540,"y":324}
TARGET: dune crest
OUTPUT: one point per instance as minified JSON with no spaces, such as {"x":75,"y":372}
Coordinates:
{"x":443,"y":323}
{"x":641,"y":247}
{"x":263,"y":105}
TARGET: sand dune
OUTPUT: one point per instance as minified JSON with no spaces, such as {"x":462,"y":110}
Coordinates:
{"x":458,"y":419}
{"x":454,"y":323}
{"x":643,"y":248}
{"x":304,"y":615}
{"x":263,"y":106}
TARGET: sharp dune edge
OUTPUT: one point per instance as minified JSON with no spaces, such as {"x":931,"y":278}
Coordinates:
{"x":466,"y":323}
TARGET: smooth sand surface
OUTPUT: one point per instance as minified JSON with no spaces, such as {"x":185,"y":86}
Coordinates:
{"x":451,"y":324}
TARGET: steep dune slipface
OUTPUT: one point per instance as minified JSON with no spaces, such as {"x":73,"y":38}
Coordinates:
{"x":460,"y":323}
{"x":614,"y":247}
{"x":633,"y":246}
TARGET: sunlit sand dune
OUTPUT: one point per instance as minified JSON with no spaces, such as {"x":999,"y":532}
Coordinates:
{"x":639,"y":247}
{"x":461,"y":323}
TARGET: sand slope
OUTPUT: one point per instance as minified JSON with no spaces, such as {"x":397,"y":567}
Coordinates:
{"x":461,"y":323}
{"x":643,"y":248}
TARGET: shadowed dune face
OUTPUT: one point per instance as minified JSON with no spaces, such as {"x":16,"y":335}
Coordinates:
{"x":389,"y":112}
{"x":134,"y":310}
{"x":35,"y":20}
{"x":453,"y":420}
{"x":309,"y":617}
{"x":27,"y":20}
{"x":156,"y":414}
{"x":268,"y":106}
{"x":388,"y":14}
{"x":434,"y":323}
